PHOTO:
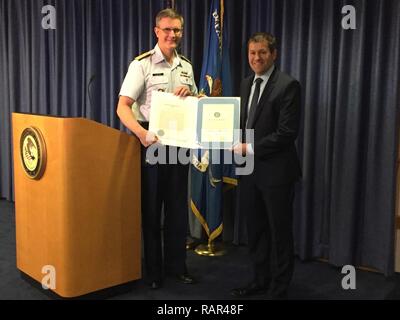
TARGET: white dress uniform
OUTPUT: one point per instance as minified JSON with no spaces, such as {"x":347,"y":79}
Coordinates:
{"x":163,"y":185}
{"x":150,"y":71}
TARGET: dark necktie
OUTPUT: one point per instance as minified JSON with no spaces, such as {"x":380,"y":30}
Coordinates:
{"x":254,"y":103}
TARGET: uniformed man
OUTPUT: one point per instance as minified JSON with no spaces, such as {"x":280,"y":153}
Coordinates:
{"x":162,"y":184}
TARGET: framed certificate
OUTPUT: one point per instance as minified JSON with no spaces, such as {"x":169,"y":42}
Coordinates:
{"x":218,"y":122}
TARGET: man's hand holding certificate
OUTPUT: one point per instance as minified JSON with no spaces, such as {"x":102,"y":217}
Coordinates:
{"x":210,"y":122}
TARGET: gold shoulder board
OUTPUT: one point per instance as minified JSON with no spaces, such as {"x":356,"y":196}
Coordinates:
{"x":184,"y":58}
{"x":144,"y":55}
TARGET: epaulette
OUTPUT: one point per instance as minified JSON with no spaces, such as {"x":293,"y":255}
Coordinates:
{"x":184,"y":58}
{"x":144,"y":55}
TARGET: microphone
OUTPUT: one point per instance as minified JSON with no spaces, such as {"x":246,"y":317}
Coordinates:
{"x":89,"y":95}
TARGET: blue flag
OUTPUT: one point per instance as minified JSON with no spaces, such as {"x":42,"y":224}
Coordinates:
{"x":215,"y":73}
{"x":207,"y":173}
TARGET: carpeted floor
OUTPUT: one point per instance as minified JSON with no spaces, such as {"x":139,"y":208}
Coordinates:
{"x":217,"y":275}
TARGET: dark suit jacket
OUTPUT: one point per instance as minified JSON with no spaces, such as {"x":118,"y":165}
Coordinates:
{"x":276,"y":126}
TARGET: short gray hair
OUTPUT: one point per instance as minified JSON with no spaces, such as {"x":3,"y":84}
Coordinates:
{"x":168,"y":13}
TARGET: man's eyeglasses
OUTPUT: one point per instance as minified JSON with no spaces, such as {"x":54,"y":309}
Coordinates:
{"x":168,"y":30}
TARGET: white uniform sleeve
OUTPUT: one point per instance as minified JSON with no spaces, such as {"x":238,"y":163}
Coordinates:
{"x":134,"y":81}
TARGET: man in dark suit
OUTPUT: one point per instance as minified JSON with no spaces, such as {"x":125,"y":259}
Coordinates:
{"x":270,"y":102}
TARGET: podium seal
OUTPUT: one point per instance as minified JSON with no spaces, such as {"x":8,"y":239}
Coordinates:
{"x":33,"y":152}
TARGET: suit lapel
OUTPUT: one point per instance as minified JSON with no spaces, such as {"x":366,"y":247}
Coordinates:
{"x":266,"y":92}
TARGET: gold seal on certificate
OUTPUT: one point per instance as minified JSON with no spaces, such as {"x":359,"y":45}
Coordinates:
{"x":209,"y":123}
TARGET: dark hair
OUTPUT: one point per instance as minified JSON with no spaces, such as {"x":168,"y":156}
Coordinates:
{"x":264,"y":36}
{"x":168,"y":13}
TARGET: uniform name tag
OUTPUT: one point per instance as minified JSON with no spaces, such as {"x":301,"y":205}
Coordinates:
{"x":159,"y":79}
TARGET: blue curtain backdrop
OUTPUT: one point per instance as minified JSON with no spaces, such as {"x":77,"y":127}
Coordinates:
{"x":345,"y":204}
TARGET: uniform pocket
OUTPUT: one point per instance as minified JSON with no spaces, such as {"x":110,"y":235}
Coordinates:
{"x":159,"y":82}
{"x":186,"y":80}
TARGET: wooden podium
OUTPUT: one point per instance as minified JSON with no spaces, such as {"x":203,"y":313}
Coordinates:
{"x":82,"y":216}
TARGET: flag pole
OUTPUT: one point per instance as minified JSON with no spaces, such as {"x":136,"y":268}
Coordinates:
{"x":211,"y":81}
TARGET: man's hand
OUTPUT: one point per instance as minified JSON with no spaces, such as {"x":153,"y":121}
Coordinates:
{"x":240,"y":148}
{"x":182,"y":91}
{"x":147,"y":138}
